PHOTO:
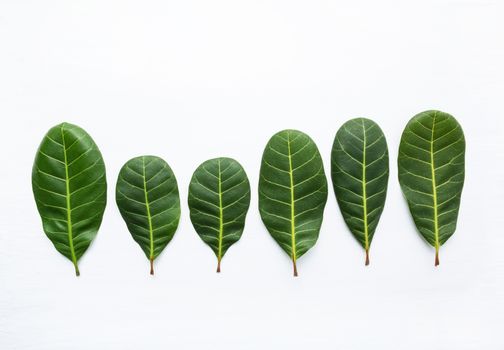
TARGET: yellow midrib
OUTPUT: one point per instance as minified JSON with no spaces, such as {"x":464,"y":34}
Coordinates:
{"x":434,"y":189}
{"x":69,"y":205}
{"x":147,"y":207}
{"x":221,"y":215}
{"x":364,"y":194}
{"x":293,"y":224}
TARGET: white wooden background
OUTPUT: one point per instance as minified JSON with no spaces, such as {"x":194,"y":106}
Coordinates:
{"x":190,"y":80}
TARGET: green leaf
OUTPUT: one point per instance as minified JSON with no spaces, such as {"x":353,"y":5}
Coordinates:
{"x":360,"y":171}
{"x":431,"y":173}
{"x":219,"y":197}
{"x":148,"y":198}
{"x":292,"y":192}
{"x":70,"y":189}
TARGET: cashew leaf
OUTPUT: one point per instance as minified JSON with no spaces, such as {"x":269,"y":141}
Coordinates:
{"x":70,"y":189}
{"x":431,"y":173}
{"x":219,"y":198}
{"x":292,"y":192}
{"x":148,"y":199}
{"x":360,"y":171}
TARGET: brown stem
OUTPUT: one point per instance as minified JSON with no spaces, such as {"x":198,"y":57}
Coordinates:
{"x":367,"y":257}
{"x":218,"y":265}
{"x":436,"y":262}
{"x":295,"y":268}
{"x":151,"y":266}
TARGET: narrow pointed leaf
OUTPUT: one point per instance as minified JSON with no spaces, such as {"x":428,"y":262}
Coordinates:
{"x":70,"y":189}
{"x":431,"y":173}
{"x":360,"y":171}
{"x":148,"y":198}
{"x":292,"y":192}
{"x":219,"y":197}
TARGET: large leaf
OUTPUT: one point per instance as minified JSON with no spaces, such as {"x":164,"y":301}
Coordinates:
{"x":219,"y":197}
{"x":292,"y":192}
{"x":431,"y":174}
{"x":148,"y":198}
{"x":70,"y":189}
{"x":360,"y":171}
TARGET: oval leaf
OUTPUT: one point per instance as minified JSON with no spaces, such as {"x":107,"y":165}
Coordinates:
{"x":431,"y":173}
{"x":292,"y":192}
{"x":360,"y":171}
{"x":148,"y":198}
{"x":219,"y":197}
{"x":69,"y":185}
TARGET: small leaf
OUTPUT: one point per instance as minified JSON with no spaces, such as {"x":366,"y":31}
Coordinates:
{"x":360,"y":171}
{"x":70,"y":189}
{"x":148,"y":198}
{"x":219,"y":197}
{"x":292,"y":192}
{"x":431,"y":173}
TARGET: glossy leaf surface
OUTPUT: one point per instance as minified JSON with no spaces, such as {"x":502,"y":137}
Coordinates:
{"x":219,"y":197}
{"x":292,"y":192}
{"x":360,"y":171}
{"x":431,"y":173}
{"x":148,"y":198}
{"x":70,"y":189}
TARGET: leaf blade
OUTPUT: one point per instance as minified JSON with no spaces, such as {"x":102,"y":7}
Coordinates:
{"x":359,"y":171}
{"x":292,"y":192}
{"x":431,"y":165}
{"x":219,"y":198}
{"x":69,"y":186}
{"x":147,"y":197}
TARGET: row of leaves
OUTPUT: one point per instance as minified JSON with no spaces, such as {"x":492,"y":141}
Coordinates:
{"x":70,"y":189}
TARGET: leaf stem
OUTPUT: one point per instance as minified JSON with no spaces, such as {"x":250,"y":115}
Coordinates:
{"x":293,"y":210}
{"x":434,"y":192}
{"x":69,"y":204}
{"x":364,"y":194}
{"x":149,"y":217}
{"x":221,"y":217}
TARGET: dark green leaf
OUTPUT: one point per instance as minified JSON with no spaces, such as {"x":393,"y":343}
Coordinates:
{"x":360,"y":171}
{"x":292,"y":192}
{"x":70,"y":189}
{"x":219,"y":197}
{"x":148,"y":198}
{"x":431,"y":173}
